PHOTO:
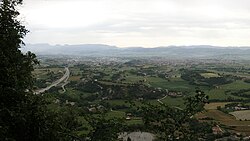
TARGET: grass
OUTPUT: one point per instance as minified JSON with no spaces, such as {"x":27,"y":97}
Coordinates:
{"x":75,"y":94}
{"x":84,"y":124}
{"x":224,"y":118}
{"x":220,"y":92}
{"x":74,"y":78}
{"x":133,"y":78}
{"x":174,"y":84}
{"x":110,"y":83}
{"x":209,"y":75}
{"x":56,"y":69}
{"x":115,"y":114}
{"x":214,"y":105}
{"x":173,"y":101}
{"x":43,"y":70}
{"x":107,"y":77}
{"x":248,"y":93}
{"x":237,"y":85}
{"x":217,"y":94}
{"x":227,"y":119}
{"x":122,"y":115}
{"x":118,"y":102}
{"x":176,"y":102}
{"x":134,"y":121}
{"x":39,"y":71}
{"x":42,"y":73}
{"x":123,"y":102}
{"x":233,"y":73}
{"x":127,"y":68}
{"x":241,"y":115}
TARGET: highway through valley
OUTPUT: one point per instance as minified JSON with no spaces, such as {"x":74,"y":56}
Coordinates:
{"x":54,"y":84}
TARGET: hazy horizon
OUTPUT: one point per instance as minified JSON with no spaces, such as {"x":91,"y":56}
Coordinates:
{"x":144,"y":23}
{"x":199,"y":45}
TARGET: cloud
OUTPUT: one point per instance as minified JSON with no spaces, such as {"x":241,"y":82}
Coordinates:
{"x":138,"y":22}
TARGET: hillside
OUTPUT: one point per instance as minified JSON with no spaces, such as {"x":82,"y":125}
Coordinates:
{"x":176,"y":52}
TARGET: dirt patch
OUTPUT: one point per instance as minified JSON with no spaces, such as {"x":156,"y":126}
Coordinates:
{"x":214,"y":106}
{"x":137,"y":136}
{"x":241,"y":115}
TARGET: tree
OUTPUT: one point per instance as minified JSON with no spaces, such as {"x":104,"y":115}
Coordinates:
{"x":15,"y":78}
{"x":174,"y":123}
{"x":103,"y":129}
{"x":16,"y":67}
{"x":23,"y":115}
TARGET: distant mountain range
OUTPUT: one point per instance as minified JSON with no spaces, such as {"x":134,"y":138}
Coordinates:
{"x":175,"y":52}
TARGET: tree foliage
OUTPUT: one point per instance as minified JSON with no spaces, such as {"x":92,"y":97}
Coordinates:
{"x":103,"y":129}
{"x":16,"y":67}
{"x":195,"y":78}
{"x":23,"y":115}
{"x":174,"y":123}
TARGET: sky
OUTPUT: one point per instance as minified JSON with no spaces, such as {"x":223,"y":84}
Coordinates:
{"x":147,"y":23}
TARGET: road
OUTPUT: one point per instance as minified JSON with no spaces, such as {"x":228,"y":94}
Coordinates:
{"x":159,"y":100}
{"x":63,"y":78}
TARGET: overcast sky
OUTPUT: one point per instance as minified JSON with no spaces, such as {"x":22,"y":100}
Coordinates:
{"x":147,"y":23}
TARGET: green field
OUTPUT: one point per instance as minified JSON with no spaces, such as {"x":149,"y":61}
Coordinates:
{"x":237,"y":85}
{"x":173,"y":101}
{"x":133,"y":78}
{"x":219,"y":93}
{"x":209,"y":75}
{"x":172,"y":84}
{"x":116,"y":114}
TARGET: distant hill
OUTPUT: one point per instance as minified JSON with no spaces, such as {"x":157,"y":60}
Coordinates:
{"x":200,"y":51}
{"x":81,"y":49}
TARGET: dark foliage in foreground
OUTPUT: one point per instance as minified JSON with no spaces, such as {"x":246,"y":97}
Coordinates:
{"x":174,"y":123}
{"x":23,"y":115}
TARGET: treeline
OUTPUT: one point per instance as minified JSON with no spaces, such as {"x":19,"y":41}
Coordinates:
{"x":194,"y":78}
{"x":228,"y":69}
{"x":130,"y":91}
{"x":242,"y":93}
{"x":247,"y":80}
